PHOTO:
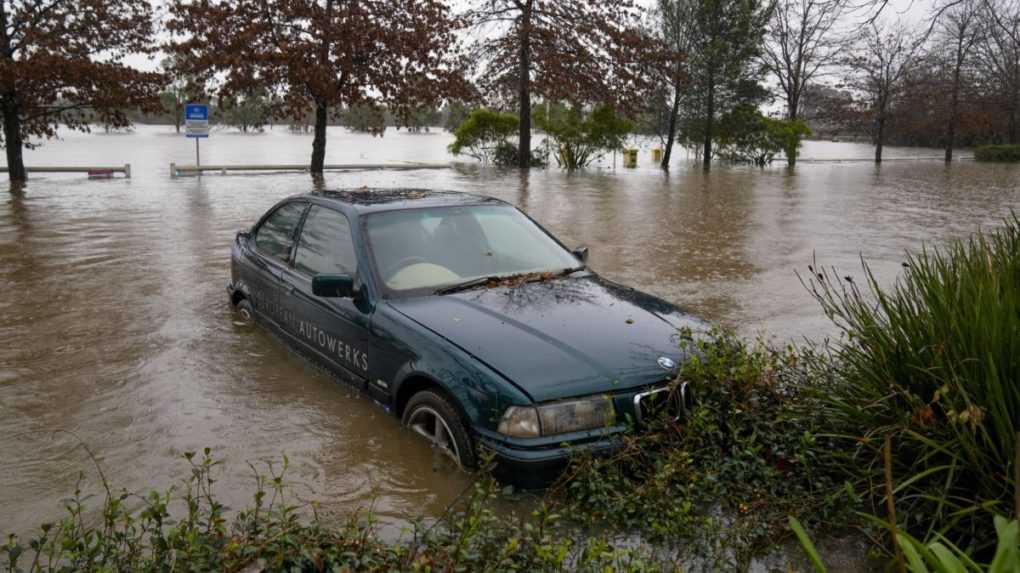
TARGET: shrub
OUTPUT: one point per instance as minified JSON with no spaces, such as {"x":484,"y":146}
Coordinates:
{"x":1005,"y":153}
{"x":581,"y":138}
{"x":484,"y":135}
{"x":938,"y":556}
{"x":933,"y":361}
{"x":187,"y":529}
{"x":725,"y":477}
{"x":747,"y":136}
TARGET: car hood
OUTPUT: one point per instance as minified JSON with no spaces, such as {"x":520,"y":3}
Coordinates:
{"x":561,"y":337}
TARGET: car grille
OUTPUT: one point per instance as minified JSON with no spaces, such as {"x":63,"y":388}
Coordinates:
{"x":672,"y":401}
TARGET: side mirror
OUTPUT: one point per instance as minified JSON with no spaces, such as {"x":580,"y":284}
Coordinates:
{"x":581,"y":253}
{"x":333,"y":286}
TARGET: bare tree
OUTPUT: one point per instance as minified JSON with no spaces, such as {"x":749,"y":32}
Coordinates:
{"x":800,"y":42}
{"x":676,"y":19}
{"x":877,"y":67}
{"x":959,"y":31}
{"x":999,"y":56}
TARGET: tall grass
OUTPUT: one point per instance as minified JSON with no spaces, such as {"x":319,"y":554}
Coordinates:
{"x":934,"y":361}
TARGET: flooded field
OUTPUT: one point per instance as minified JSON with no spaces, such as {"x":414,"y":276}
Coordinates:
{"x":115,"y":330}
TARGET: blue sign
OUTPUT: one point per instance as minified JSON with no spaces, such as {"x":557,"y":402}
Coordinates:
{"x":199,"y":111}
{"x":196,"y":120}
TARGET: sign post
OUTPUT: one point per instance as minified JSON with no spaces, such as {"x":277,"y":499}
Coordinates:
{"x":196,"y":126}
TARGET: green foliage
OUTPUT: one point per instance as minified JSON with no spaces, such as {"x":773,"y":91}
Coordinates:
{"x":364,"y":118}
{"x":725,"y":477}
{"x":418,"y":119}
{"x":248,"y":112}
{"x":944,"y":557}
{"x":934,"y":361}
{"x":580,"y":137}
{"x":188,"y":530}
{"x":806,"y":543}
{"x":939,"y":556}
{"x":1003,"y":153}
{"x":747,"y":136}
{"x":484,"y":135}
{"x":454,"y":113}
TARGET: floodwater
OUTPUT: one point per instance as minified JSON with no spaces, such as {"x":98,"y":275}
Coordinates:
{"x":115,"y":332}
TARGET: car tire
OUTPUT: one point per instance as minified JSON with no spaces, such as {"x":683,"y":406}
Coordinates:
{"x":432,"y":416}
{"x":245,"y":312}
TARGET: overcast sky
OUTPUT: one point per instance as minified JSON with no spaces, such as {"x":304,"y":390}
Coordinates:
{"x":911,"y":11}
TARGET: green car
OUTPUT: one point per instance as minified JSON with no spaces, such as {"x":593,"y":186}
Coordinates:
{"x":463,"y":317}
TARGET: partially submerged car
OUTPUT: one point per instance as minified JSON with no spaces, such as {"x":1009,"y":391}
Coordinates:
{"x":463,"y":317}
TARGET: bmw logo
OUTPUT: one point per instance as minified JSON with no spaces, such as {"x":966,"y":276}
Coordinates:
{"x":666,"y":363}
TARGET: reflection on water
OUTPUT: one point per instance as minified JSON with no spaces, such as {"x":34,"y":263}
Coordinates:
{"x":116,"y":331}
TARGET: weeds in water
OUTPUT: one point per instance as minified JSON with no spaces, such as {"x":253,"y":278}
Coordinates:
{"x":722,"y":480}
{"x":933,"y":361}
{"x":189,"y":531}
{"x":939,"y":556}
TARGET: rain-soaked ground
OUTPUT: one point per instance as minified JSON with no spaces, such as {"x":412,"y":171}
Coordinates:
{"x":115,"y":330}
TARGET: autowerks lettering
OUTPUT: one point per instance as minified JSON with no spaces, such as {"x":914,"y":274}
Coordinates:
{"x":334,"y":345}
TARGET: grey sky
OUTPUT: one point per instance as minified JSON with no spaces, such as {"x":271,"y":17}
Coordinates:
{"x":910,"y":11}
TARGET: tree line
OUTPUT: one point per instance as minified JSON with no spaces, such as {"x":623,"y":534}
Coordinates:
{"x":694,"y":72}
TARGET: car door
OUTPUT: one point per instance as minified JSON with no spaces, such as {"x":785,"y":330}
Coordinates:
{"x":273,"y":244}
{"x":336,"y":329}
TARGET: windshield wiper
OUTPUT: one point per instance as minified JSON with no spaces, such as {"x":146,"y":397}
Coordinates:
{"x":572,"y":270}
{"x":468,"y":284}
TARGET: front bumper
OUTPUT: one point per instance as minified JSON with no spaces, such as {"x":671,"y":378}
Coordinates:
{"x":537,"y":465}
{"x":534,"y":462}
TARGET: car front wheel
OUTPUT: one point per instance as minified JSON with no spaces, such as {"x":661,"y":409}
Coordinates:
{"x":245,"y":312}
{"x":431,"y":416}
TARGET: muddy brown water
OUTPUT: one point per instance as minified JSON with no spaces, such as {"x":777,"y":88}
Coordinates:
{"x":115,"y":330}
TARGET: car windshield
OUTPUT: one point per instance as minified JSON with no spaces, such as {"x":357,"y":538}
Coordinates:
{"x":436,"y":247}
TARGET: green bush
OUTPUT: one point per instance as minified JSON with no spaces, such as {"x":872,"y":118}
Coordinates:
{"x":938,"y":556}
{"x":933,"y":361}
{"x":187,"y":529}
{"x":581,"y":138}
{"x":1005,"y":153}
{"x":748,"y":136}
{"x":485,"y":135}
{"x":725,"y":477}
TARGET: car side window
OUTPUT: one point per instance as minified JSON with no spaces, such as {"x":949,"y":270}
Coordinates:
{"x":326,"y":245}
{"x":275,"y":236}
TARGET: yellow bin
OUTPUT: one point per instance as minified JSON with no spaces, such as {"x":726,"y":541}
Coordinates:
{"x":656,"y":154}
{"x":630,"y":157}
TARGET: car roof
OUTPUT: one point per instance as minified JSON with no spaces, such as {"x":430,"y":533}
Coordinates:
{"x":366,"y":200}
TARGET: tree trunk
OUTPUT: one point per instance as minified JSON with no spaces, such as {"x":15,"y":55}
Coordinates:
{"x":1012,"y":126}
{"x":671,"y":135}
{"x":709,"y":123}
{"x":792,"y":112}
{"x":12,"y":140}
{"x":524,"y":81}
{"x":951,"y":128}
{"x":880,"y":138}
{"x":319,"y":142}
{"x":954,"y":105}
{"x":11,"y":110}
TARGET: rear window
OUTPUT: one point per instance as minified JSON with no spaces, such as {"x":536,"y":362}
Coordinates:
{"x":275,"y":236}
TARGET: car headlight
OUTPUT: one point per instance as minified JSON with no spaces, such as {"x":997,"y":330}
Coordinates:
{"x":557,"y":417}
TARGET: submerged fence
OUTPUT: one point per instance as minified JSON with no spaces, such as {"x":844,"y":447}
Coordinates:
{"x":186,"y":170}
{"x":94,"y":171}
